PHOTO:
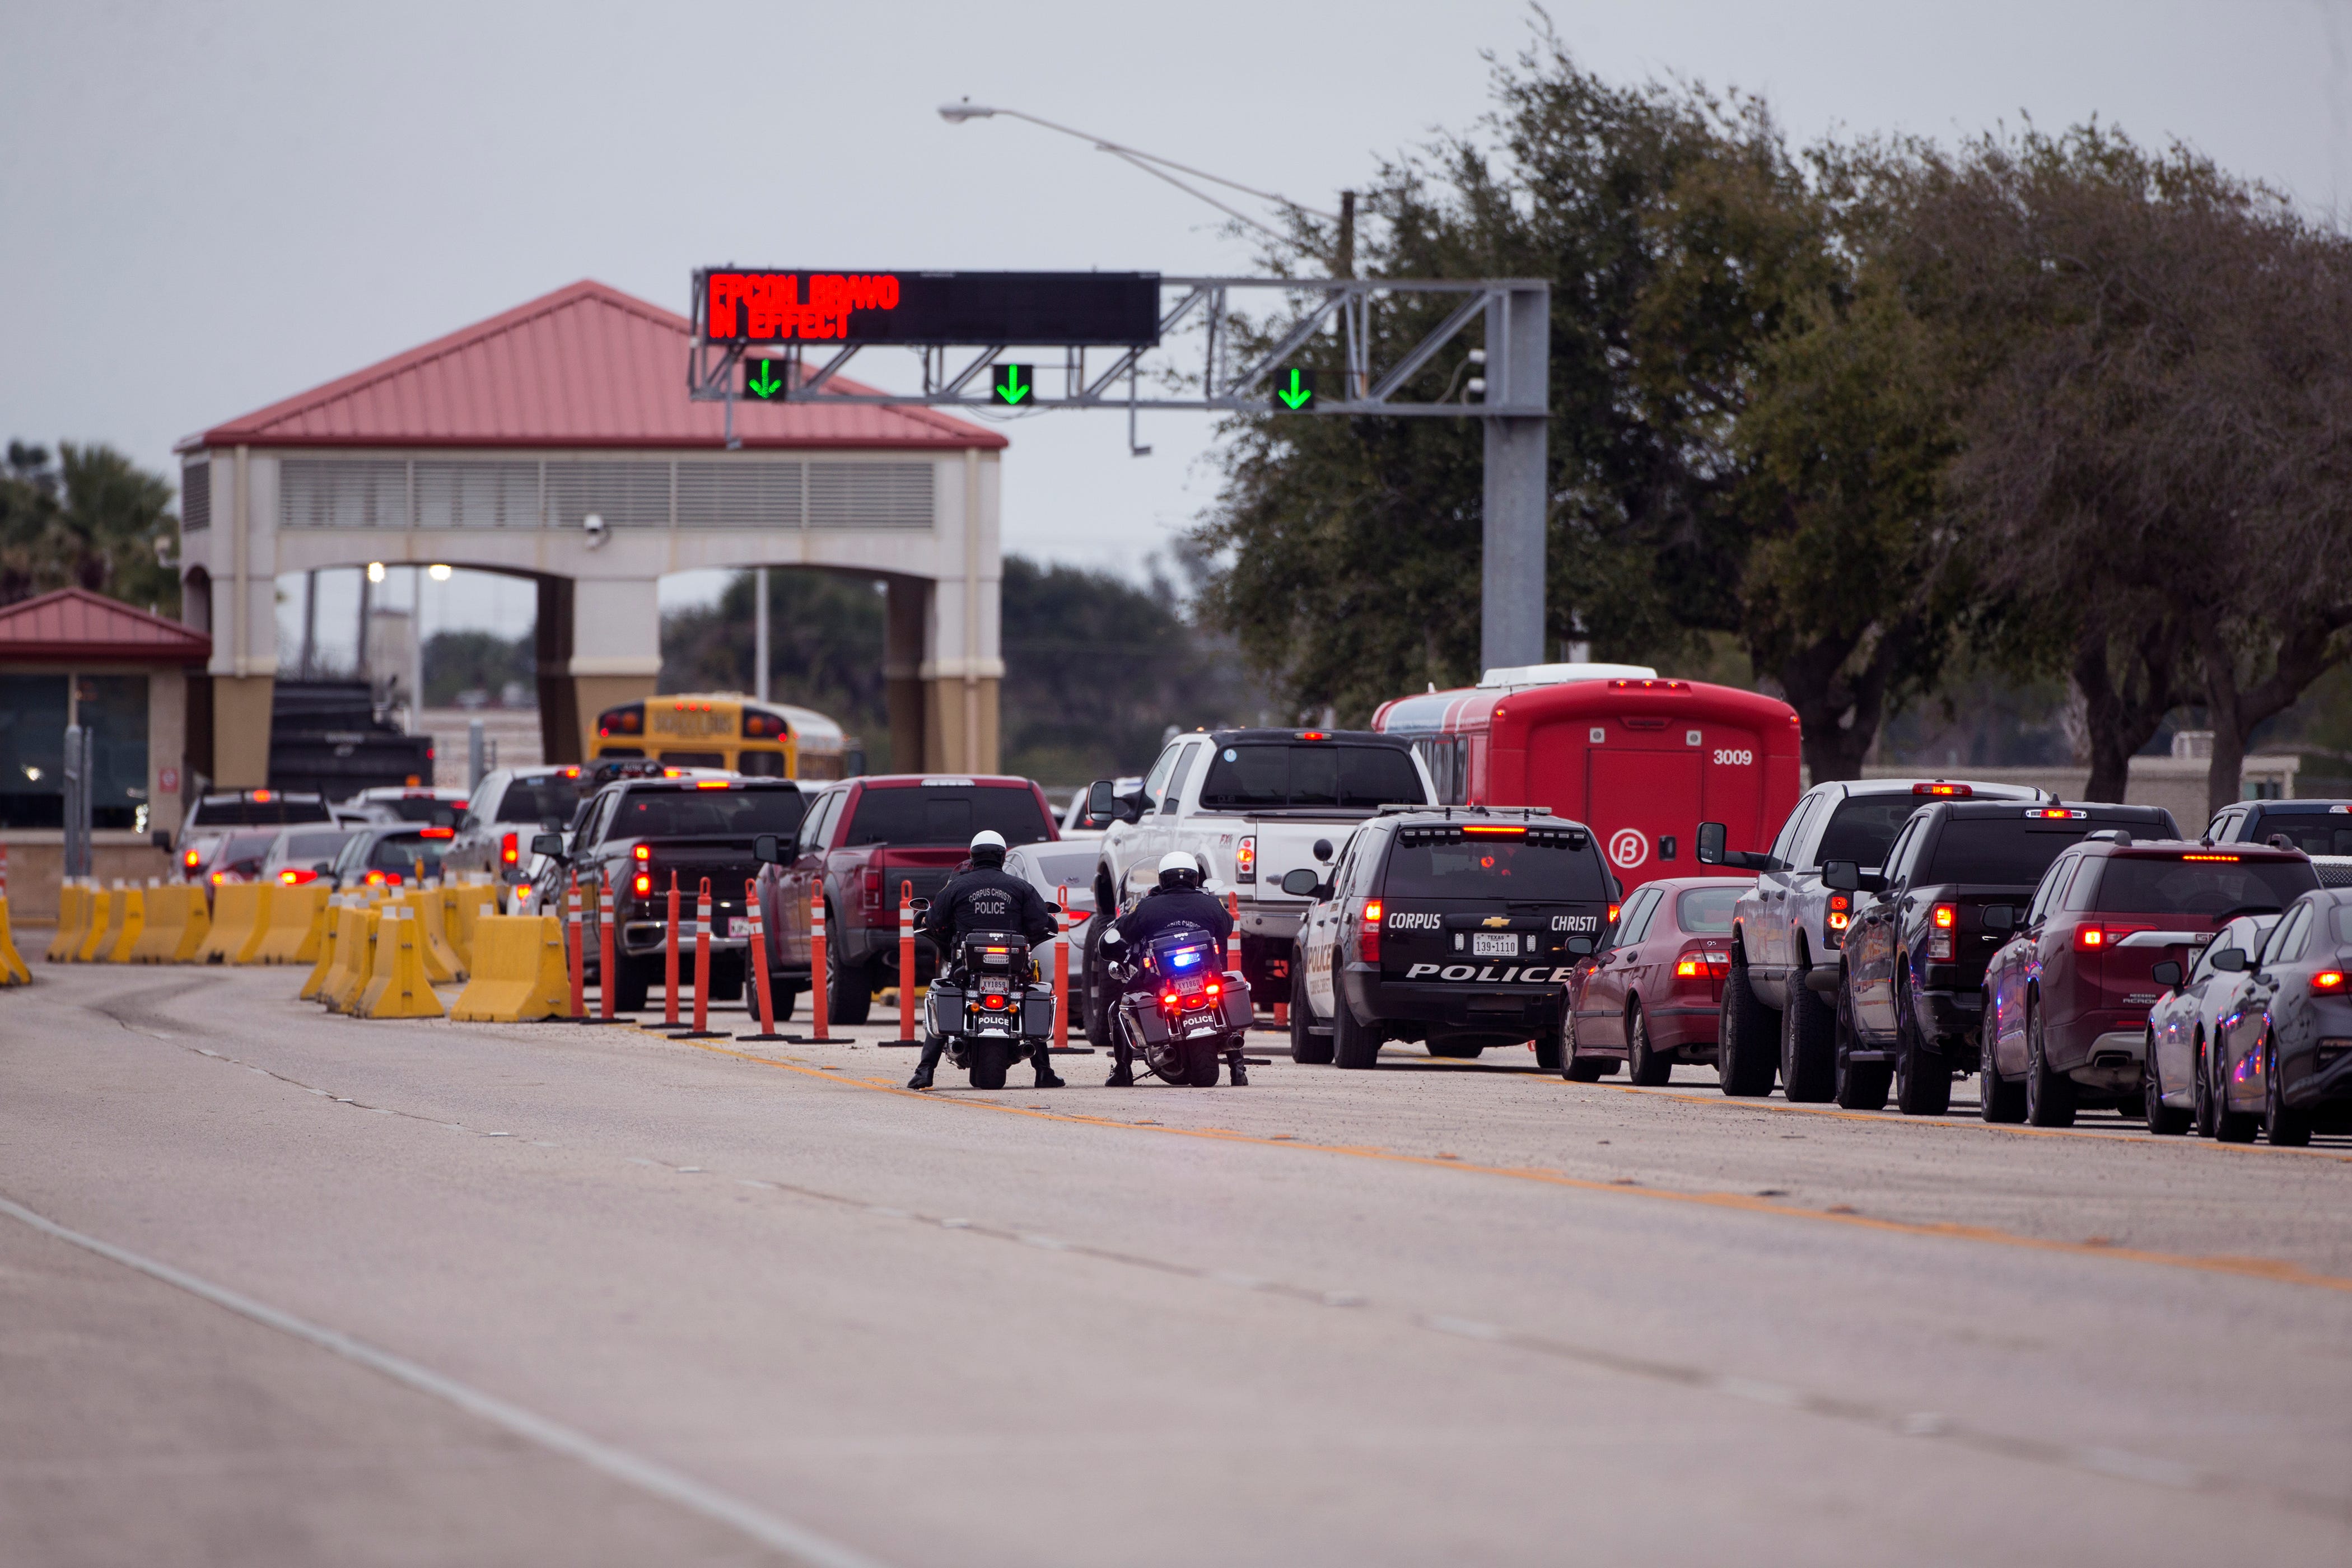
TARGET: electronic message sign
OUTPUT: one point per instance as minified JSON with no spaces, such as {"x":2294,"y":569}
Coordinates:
{"x":1080,"y":309}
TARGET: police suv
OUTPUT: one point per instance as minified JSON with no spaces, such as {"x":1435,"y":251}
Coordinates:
{"x":1454,"y":926}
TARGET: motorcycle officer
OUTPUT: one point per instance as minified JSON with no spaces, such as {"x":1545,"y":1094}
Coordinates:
{"x":1178,"y":900}
{"x":982,"y":896}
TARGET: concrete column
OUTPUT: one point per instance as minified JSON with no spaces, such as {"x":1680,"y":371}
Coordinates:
{"x":167,"y":745}
{"x":559,"y":712}
{"x":907,"y":611}
{"x":243,"y":620}
{"x":962,"y":666}
{"x":615,"y":645}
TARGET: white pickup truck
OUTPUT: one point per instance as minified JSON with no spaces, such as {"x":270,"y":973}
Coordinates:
{"x":1249,"y":804}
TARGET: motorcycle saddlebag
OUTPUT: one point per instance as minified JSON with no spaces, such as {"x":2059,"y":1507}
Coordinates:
{"x":1235,"y":1002}
{"x":1037,"y":1012}
{"x":1150,"y":1027}
{"x":943,"y":1009}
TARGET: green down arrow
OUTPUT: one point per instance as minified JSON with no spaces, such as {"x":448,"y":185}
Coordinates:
{"x":767,"y":384}
{"x":1296,"y":394}
{"x":1013,"y":391}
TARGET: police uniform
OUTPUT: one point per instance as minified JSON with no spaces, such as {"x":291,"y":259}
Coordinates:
{"x":982,"y":896}
{"x":1162,"y":909}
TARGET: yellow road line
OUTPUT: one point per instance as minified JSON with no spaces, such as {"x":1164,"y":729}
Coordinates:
{"x":2274,"y":1271}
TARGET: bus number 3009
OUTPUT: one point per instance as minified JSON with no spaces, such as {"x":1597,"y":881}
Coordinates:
{"x":1735,"y":759}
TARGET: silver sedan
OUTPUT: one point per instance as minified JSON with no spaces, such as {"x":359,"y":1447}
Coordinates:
{"x":2181,"y":1028}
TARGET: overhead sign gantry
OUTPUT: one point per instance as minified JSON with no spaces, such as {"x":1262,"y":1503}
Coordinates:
{"x":754,"y":327}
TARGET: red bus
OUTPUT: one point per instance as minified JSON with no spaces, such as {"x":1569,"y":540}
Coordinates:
{"x":1641,"y":760}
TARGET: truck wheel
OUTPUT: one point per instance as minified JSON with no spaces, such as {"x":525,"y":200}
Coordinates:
{"x":1745,"y":1058}
{"x":1548,"y":1052}
{"x":2049,"y":1096}
{"x":2163,"y":1121}
{"x":2200,"y":1091}
{"x":990,"y":1059}
{"x":1305,"y":1045}
{"x":1645,"y":1066}
{"x":726,"y":981}
{"x":2230,"y":1126}
{"x":1573,"y":1068}
{"x":849,"y":990}
{"x":1998,"y":1099}
{"x":1863,"y":1085}
{"x":1807,"y":1042}
{"x":1095,"y":1000}
{"x":634,"y":980}
{"x":1352,"y":1044}
{"x":1923,"y":1080}
{"x":785,"y":998}
{"x":2283,"y":1128}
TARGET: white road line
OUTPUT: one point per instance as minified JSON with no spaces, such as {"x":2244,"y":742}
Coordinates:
{"x":646,"y":1475}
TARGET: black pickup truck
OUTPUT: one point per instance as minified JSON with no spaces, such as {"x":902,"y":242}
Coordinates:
{"x":641,"y":831}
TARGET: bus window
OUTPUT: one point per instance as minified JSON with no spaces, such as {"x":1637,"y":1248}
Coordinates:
{"x":761,"y":764}
{"x":695,"y":759}
{"x":620,"y":750}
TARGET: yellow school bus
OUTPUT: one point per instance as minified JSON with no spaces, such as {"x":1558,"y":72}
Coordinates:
{"x":723,"y":730}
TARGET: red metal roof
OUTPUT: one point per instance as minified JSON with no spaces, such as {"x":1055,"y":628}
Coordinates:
{"x":77,"y":626}
{"x":585,"y":366}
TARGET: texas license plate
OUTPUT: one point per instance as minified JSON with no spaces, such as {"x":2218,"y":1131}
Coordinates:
{"x":735,"y":925}
{"x":1503,"y":944}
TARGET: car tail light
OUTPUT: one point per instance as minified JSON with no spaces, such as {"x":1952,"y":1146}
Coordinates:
{"x":873,"y":889}
{"x":219,"y":877}
{"x":509,"y":850}
{"x":1313,"y":735}
{"x":644,"y":852}
{"x":1367,"y":936}
{"x":714,"y":783}
{"x":1941,"y":920}
{"x":643,"y":885}
{"x":192,"y":859}
{"x":1246,"y":858}
{"x":1944,"y":791}
{"x":2327,"y":982}
{"x":1612,"y":913}
{"x":1841,"y":911}
{"x":2090,"y":938}
{"x":2226,"y":859}
{"x":294,"y":877}
{"x":2056,"y":813}
{"x":1494,"y":830}
{"x":1697,"y":962}
{"x":436,"y":833}
{"x":521,"y":894}
{"x":261,"y":796}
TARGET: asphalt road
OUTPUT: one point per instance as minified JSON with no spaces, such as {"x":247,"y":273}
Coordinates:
{"x":278,"y":1288}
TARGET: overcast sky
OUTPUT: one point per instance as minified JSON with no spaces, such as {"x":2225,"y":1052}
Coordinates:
{"x":207,"y":207}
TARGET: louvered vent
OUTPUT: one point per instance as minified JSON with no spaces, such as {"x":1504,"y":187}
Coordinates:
{"x":477,"y":494}
{"x":624,"y":494}
{"x":752,"y":493}
{"x":869,"y":495}
{"x":343,"y":492}
{"x":195,"y":498}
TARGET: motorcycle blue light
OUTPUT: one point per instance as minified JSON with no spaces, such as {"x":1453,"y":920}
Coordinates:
{"x":1186,"y":959}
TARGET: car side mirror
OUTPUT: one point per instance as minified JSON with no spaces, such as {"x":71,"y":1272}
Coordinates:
{"x":160,"y":838}
{"x":1579,"y":947}
{"x":1131,"y":807}
{"x":2167,"y":974}
{"x":1842,"y":876}
{"x":1102,"y":799}
{"x":1302,"y":883}
{"x":550,"y":845}
{"x":923,"y":906}
{"x":1710,"y":843}
{"x":766,"y":850}
{"x":319,"y":866}
{"x":1997,"y":917}
{"x":2229,"y":961}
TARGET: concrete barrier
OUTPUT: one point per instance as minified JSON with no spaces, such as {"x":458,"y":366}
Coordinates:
{"x":465,"y":901}
{"x":354,"y":958}
{"x":105,"y":909}
{"x":519,"y":974}
{"x":441,"y":965}
{"x":198,"y":929}
{"x":12,"y":962}
{"x":166,"y":916}
{"x":398,"y":988}
{"x":288,"y":913}
{"x":73,"y":920}
{"x":129,"y":928}
{"x":236,"y":917}
{"x":323,"y":962}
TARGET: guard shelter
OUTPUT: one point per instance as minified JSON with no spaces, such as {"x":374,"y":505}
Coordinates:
{"x":557,"y":442}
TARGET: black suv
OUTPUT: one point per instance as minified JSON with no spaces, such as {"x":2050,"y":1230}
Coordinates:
{"x":1454,"y":926}
{"x":1910,"y":989}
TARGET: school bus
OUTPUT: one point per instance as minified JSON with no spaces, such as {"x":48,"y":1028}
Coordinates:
{"x":723,"y":730}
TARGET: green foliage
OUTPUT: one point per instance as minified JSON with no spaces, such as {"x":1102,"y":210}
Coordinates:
{"x":824,"y":645}
{"x":458,"y":662}
{"x":93,"y":519}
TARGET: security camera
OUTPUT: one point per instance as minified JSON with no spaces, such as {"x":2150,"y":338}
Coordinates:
{"x":594,"y":526}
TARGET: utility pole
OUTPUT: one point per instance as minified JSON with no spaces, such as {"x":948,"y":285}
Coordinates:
{"x":760,"y":633}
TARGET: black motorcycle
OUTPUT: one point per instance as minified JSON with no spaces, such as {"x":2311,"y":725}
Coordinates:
{"x":989,"y":1008}
{"x":1195,"y":1014}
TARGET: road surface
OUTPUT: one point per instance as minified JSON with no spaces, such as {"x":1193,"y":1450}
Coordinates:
{"x":277,"y":1288}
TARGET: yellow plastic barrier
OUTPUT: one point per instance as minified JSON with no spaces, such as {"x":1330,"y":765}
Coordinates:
{"x":519,"y":973}
{"x":441,"y":964}
{"x":465,"y":903}
{"x":73,"y":920}
{"x":166,"y":908}
{"x":330,"y":919}
{"x":128,"y":929}
{"x":354,"y":954}
{"x":105,"y":911}
{"x":398,"y":988}
{"x":288,"y":913}
{"x":198,"y":929}
{"x":12,"y":962}
{"x":236,"y":914}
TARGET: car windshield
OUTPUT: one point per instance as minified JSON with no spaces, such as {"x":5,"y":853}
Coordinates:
{"x":243,"y":846}
{"x":686,"y":813}
{"x":1494,"y":869}
{"x":549,"y":799}
{"x":1706,"y":911}
{"x":1262,"y":776}
{"x":422,"y":808}
{"x":938,"y":816}
{"x":1864,"y":826}
{"x":403,"y":852}
{"x":2005,"y":851}
{"x":2151,"y":884}
{"x":236,"y":813}
{"x":309,"y":847}
{"x":2313,"y":832}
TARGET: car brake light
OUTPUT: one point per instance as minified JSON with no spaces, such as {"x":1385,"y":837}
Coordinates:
{"x":1313,"y":735}
{"x":261,"y":796}
{"x":643,"y":886}
{"x":1494,"y":830}
{"x":1690,"y":969}
{"x":2090,"y":938}
{"x":1950,"y":791}
{"x":522,"y":894}
{"x":509,"y":850}
{"x":375,"y":878}
{"x":436,"y":833}
{"x":1841,"y":911}
{"x":2227,"y":859}
{"x":873,"y":890}
{"x":2328,"y":981}
{"x":1367,"y":939}
{"x":714,"y":783}
{"x":2057,"y":813}
{"x":643,"y":852}
{"x":1246,"y":858}
{"x":218,"y":878}
{"x":1612,"y":913}
{"x":192,"y":860}
{"x":1943,"y":918}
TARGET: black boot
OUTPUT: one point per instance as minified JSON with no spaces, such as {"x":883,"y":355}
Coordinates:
{"x":933,"y":1049}
{"x":1239,"y":1070}
{"x":1122,"y":1074}
{"x":1046,"y":1077}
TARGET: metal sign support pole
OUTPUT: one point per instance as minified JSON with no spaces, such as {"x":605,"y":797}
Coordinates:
{"x":1511,"y":581}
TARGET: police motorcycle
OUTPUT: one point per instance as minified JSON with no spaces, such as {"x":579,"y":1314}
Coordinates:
{"x":1195,"y":1012}
{"x":989,"y":1005}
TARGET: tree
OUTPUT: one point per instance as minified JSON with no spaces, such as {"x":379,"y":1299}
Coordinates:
{"x":93,"y":519}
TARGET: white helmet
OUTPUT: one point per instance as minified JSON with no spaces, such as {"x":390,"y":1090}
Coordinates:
{"x":988,"y":838}
{"x":1179,"y":860}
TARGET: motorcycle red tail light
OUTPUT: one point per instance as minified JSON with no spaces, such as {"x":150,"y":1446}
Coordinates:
{"x":993,"y":1000}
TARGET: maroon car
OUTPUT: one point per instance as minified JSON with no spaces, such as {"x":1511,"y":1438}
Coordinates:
{"x":1650,"y":996}
{"x":861,"y":839}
